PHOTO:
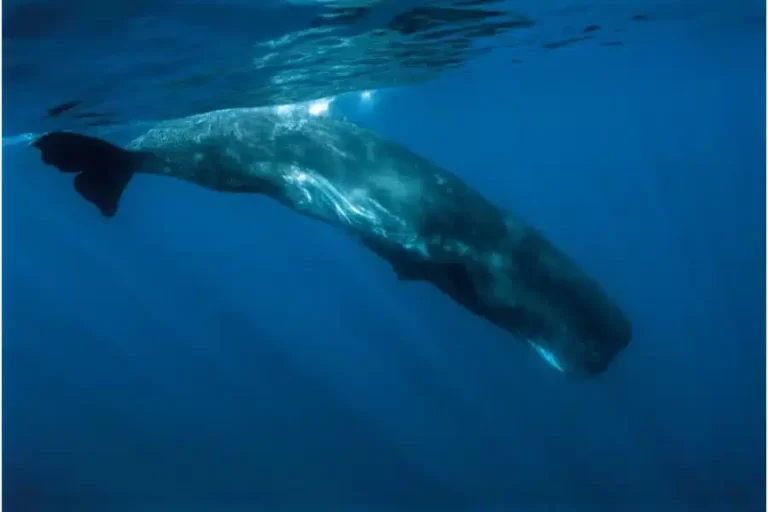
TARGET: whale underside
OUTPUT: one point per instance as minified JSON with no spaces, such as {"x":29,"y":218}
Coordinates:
{"x":425,"y":221}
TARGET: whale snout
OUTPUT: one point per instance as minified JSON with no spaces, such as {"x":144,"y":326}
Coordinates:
{"x":584,"y":338}
{"x":608,"y":346}
{"x":592,"y":350}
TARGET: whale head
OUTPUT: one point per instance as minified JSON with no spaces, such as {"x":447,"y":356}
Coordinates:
{"x":559,"y":310}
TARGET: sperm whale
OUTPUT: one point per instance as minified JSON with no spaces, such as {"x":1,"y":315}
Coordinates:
{"x":425,"y":221}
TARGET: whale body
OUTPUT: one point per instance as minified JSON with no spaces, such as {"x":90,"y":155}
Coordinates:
{"x":425,"y":221}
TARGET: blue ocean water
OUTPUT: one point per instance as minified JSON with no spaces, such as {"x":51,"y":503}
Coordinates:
{"x":214,"y":351}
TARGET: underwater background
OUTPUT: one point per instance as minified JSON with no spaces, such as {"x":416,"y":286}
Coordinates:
{"x":206,"y":351}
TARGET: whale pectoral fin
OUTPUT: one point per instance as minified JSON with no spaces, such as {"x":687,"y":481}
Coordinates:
{"x":451,"y":276}
{"x":447,"y":275}
{"x":103,"y":169}
{"x":408,"y":271}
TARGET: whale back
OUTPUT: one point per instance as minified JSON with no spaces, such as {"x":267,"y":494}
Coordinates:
{"x":325,"y":167}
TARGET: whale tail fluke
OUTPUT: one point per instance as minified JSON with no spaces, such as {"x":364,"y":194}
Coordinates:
{"x":103,"y":169}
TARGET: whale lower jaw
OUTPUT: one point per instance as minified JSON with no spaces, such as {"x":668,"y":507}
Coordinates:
{"x":550,"y":358}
